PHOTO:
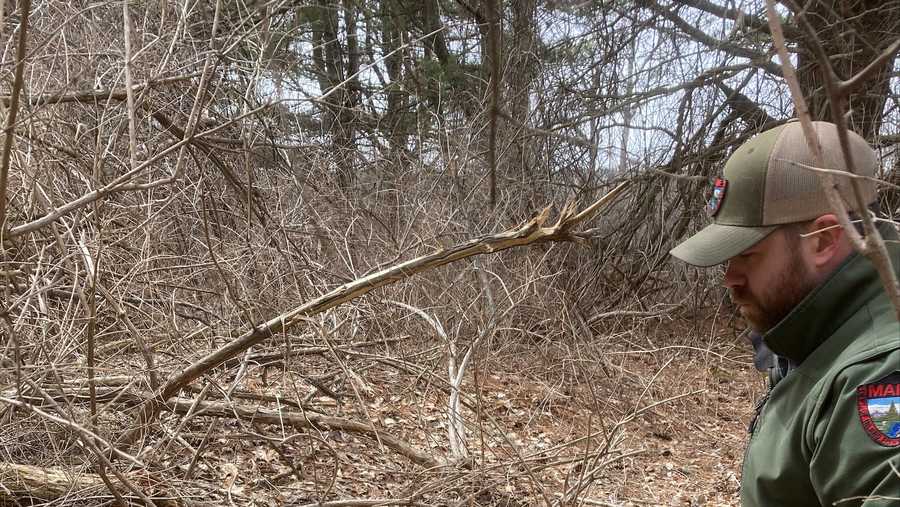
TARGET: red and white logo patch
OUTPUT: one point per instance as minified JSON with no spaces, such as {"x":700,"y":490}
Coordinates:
{"x":878,"y":405}
{"x":718,"y":195}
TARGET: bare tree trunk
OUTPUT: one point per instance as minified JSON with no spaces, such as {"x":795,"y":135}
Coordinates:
{"x":393,"y":32}
{"x":522,"y":66}
{"x":332,"y":70}
{"x":854,"y":32}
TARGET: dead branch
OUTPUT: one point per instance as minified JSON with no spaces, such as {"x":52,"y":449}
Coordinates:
{"x":89,"y":96}
{"x":120,"y":184}
{"x":10,"y":124}
{"x":129,"y":87}
{"x":531,"y":232}
{"x":636,"y":314}
{"x":84,"y":434}
{"x":305,"y":420}
{"x":841,"y":174}
{"x":364,"y":502}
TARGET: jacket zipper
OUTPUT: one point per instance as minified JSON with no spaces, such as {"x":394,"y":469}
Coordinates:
{"x":754,"y":424}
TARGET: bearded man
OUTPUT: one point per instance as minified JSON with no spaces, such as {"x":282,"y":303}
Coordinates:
{"x":827,"y":430}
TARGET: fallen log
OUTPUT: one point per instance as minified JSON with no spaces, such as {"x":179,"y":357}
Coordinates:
{"x":18,"y":482}
{"x":305,"y":420}
{"x":44,"y":483}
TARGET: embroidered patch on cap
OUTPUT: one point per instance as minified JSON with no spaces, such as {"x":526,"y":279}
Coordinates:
{"x":878,"y":404}
{"x":718,"y":195}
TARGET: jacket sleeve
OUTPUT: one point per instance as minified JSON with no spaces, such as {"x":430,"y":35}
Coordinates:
{"x":847,"y":460}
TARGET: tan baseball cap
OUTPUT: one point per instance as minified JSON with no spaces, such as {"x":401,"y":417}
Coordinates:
{"x":762,"y":188}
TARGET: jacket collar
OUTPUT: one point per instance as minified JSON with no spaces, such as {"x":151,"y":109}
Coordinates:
{"x":829,"y":305}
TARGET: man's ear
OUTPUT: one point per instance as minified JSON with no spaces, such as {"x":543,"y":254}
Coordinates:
{"x":828,"y":240}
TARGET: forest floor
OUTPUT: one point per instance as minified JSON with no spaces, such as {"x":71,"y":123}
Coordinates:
{"x":687,"y":451}
{"x":692,"y":448}
{"x":657,"y":411}
{"x":680,"y":402}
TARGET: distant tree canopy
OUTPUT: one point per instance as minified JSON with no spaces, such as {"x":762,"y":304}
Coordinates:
{"x":582,"y":88}
{"x":544,"y":93}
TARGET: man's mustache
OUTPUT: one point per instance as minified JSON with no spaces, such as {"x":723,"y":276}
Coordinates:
{"x":739,"y":298}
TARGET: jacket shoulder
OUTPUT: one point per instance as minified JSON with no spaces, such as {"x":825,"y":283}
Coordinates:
{"x":851,"y":446}
{"x":872,"y":352}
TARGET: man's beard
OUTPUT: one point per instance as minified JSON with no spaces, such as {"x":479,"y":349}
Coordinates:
{"x":765,"y":310}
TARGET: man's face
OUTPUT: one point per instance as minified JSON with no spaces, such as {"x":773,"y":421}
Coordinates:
{"x":769,"y":279}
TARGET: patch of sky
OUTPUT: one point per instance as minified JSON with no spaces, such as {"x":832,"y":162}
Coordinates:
{"x":883,"y":405}
{"x":642,"y":87}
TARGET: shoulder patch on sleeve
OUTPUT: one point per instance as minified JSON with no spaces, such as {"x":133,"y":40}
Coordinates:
{"x":878,"y":404}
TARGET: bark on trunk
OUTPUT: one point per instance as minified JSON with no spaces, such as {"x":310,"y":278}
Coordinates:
{"x":854,"y":33}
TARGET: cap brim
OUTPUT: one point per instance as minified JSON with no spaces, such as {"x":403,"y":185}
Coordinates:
{"x":717,"y":243}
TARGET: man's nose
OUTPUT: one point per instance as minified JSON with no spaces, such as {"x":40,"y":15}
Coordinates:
{"x":733,"y":276}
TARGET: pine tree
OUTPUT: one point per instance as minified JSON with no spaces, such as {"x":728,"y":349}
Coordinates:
{"x":892,"y":414}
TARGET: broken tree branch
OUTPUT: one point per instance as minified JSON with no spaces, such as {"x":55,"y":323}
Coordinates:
{"x":531,"y":232}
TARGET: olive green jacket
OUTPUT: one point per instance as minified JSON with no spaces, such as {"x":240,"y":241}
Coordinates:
{"x":808,"y":446}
